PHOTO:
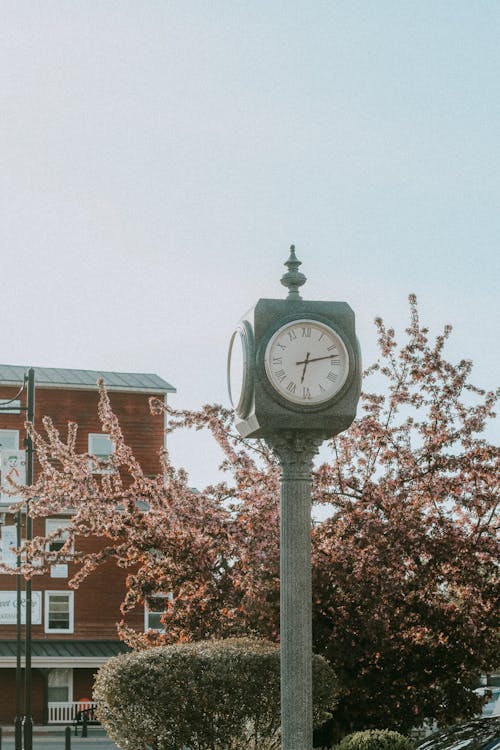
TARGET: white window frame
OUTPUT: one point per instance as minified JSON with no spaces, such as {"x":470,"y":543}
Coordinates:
{"x":97,"y":469}
{"x":71,"y":608}
{"x":68,"y":673}
{"x":160,"y":595}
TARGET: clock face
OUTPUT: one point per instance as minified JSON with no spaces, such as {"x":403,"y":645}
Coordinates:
{"x":236,"y":369}
{"x":306,"y":362}
{"x":239,"y":373}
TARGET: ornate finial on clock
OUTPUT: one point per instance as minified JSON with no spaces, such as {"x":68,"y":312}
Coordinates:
{"x":293,"y":278}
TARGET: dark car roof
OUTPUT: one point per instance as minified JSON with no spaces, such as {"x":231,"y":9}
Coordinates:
{"x":482,"y":733}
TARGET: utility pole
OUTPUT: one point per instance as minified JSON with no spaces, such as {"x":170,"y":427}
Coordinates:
{"x":8,"y":406}
{"x":24,"y":726}
{"x":28,"y":721}
{"x":18,"y":721}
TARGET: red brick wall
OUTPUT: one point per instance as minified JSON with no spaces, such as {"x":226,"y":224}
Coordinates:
{"x":96,"y":605}
{"x":8,"y":695}
{"x":97,"y":600}
{"x":142,"y":431}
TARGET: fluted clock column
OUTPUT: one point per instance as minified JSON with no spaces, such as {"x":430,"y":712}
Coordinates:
{"x":295,"y":452}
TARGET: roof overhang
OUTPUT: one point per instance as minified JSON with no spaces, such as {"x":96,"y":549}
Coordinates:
{"x":62,"y":654}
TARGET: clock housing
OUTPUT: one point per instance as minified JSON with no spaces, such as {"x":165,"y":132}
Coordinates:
{"x":272,"y":407}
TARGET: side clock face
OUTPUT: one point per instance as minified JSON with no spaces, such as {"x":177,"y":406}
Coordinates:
{"x":239,"y":368}
{"x":306,"y":362}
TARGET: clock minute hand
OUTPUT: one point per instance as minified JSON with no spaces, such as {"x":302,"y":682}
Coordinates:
{"x":316,"y":359}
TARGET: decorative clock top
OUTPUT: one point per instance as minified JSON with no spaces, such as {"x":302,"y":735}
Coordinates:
{"x":293,"y":278}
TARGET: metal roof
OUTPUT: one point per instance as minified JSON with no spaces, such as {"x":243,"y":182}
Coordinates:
{"x":68,"y":648}
{"x":64,"y":653}
{"x":52,"y":377}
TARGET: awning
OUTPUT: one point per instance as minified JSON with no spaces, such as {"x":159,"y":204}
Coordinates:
{"x":64,"y":654}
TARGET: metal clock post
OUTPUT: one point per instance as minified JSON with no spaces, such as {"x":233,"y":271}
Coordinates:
{"x":294,"y":377}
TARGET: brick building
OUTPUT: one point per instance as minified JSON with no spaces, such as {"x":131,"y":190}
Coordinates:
{"x":73,"y":631}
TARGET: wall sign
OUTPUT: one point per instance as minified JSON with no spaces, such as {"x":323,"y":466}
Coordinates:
{"x":8,"y":607}
{"x":12,"y":467}
{"x":59,"y":571}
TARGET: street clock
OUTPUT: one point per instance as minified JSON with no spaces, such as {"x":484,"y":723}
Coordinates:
{"x":294,"y":364}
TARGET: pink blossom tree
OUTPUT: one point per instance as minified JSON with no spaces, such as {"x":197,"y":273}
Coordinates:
{"x":405,"y":568}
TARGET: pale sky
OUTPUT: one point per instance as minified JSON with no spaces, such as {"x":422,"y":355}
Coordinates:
{"x":158,"y":157}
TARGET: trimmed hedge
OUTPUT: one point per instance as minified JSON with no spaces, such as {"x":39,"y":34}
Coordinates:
{"x":210,"y":695}
{"x":376,"y":739}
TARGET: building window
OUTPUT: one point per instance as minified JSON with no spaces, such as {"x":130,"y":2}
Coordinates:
{"x":59,"y":611}
{"x":155,"y":607}
{"x":52,"y":526}
{"x":10,"y":406}
{"x":101,"y":447}
{"x":9,"y":440}
{"x":60,"y":686}
{"x":56,"y":524}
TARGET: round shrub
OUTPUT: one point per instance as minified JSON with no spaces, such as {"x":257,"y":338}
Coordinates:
{"x":376,"y":739}
{"x":210,"y":695}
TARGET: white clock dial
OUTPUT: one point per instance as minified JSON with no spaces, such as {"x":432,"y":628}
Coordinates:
{"x":236,"y":368}
{"x":306,"y":362}
{"x":239,"y":372}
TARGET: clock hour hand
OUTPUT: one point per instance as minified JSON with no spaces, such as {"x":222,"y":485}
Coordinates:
{"x":305,"y":363}
{"x":315,"y":359}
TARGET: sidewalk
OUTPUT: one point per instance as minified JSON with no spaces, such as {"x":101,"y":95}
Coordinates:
{"x":53,"y":738}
